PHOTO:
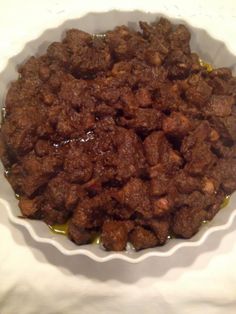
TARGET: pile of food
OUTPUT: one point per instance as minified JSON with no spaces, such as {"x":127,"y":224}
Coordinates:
{"x":126,"y":135}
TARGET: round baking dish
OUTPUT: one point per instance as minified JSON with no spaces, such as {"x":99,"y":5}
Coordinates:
{"x":210,"y":49}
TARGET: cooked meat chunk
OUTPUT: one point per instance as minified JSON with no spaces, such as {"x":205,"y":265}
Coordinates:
{"x":142,"y":238}
{"x":200,"y":160}
{"x":176,"y":125}
{"x":159,"y":153}
{"x":144,"y":97}
{"x":61,"y":194}
{"x":79,"y":235}
{"x":20,"y":129}
{"x":53,"y":216}
{"x":30,"y":207}
{"x":187,"y":221}
{"x":135,"y":195}
{"x":225,"y":172}
{"x":226,"y":127}
{"x":114,"y":235}
{"x":186,"y":183}
{"x":91,"y":212}
{"x":198,"y":91}
{"x":130,"y":160}
{"x":180,"y":38}
{"x":34,"y":173}
{"x":143,"y":120}
{"x":220,"y":106}
{"x":78,"y":166}
{"x":161,"y":206}
{"x":161,"y":229}
{"x":160,"y":183}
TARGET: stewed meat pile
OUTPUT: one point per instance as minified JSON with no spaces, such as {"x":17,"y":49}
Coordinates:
{"x":124,"y":134}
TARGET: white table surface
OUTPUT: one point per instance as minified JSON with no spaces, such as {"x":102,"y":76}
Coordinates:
{"x":36,"y":278}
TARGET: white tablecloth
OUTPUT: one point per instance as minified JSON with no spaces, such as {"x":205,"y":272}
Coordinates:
{"x":36,"y":278}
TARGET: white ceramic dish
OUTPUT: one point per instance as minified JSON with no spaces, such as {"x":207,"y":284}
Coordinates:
{"x":210,"y":49}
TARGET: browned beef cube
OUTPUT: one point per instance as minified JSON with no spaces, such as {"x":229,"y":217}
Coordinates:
{"x":16,"y":177}
{"x":52,"y":216}
{"x":179,"y":38}
{"x":135,"y":195}
{"x":83,"y":215}
{"x":226,"y":130}
{"x":114,"y":235}
{"x":199,"y":200}
{"x":79,"y":235}
{"x":104,"y":110}
{"x":120,"y":212}
{"x":90,"y":59}
{"x":143,"y":97}
{"x":72,"y":124}
{"x":210,"y":185}
{"x":176,"y":125}
{"x":107,"y":89}
{"x":36,"y":172}
{"x":161,"y":229}
{"x":201,"y":159}
{"x":19,"y":131}
{"x":57,"y":51}
{"x":90,"y":213}
{"x":30,"y":207}
{"x":12,"y":96}
{"x":198,"y":92}
{"x":155,"y":145}
{"x":192,"y":200}
{"x":230,"y":126}
{"x":202,"y":133}
{"x":130,"y":159}
{"x":220,"y":106}
{"x":226,"y":171}
{"x":159,"y":184}
{"x":141,"y":238}
{"x":170,"y":98}
{"x":186,"y":183}
{"x":78,"y":166}
{"x":187,"y":221}
{"x":153,"y":57}
{"x":125,"y":43}
{"x":44,"y":72}
{"x":220,"y":86}
{"x":179,"y":64}
{"x":73,"y":91}
{"x":162,"y":27}
{"x":224,"y":73}
{"x":144,"y":120}
{"x":63,"y":195}
{"x":75,"y":38}
{"x":196,"y":66}
{"x":30,"y":67}
{"x":162,"y":206}
{"x":158,"y":150}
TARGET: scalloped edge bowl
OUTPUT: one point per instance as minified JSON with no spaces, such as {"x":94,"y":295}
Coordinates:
{"x":210,"y":49}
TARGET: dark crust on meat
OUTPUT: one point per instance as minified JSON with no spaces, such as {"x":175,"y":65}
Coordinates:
{"x":125,"y":135}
